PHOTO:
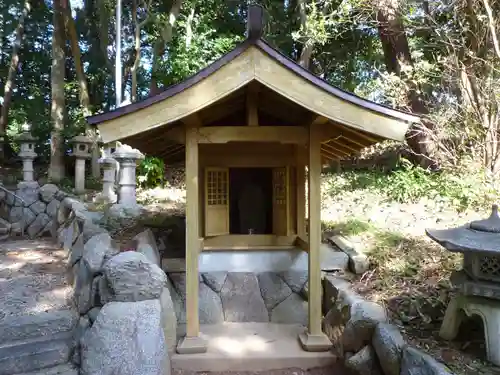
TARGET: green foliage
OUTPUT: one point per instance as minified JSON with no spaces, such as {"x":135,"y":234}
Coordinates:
{"x":409,"y":183}
{"x":150,"y":172}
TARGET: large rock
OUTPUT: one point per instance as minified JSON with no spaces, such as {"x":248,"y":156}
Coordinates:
{"x":273,"y":289}
{"x":292,"y":310}
{"x":388,"y":344}
{"x":241,"y":298}
{"x":131,"y":277}
{"x":168,"y":320}
{"x":38,"y":225}
{"x":98,"y":249}
{"x":415,"y":362}
{"x":90,"y":229}
{"x":48,"y":192}
{"x":364,"y":317}
{"x":126,"y":339}
{"x":28,"y":192}
{"x":364,"y":362}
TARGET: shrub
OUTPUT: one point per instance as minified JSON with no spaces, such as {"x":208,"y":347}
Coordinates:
{"x":150,"y":172}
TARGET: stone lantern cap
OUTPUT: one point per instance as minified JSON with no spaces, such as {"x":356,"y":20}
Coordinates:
{"x":25,"y":137}
{"x":481,"y":236}
{"x":126,"y":152}
{"x":81,"y":147}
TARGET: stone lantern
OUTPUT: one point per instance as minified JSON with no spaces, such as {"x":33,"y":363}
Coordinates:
{"x":108,"y":165}
{"x":478,"y":282}
{"x":81,"y":151}
{"x":127,"y":158}
{"x":27,"y":152}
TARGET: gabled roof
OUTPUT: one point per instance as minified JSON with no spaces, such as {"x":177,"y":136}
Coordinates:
{"x":253,"y":59}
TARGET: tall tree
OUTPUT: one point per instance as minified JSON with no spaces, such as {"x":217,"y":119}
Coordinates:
{"x":13,"y":66}
{"x":56,"y":168}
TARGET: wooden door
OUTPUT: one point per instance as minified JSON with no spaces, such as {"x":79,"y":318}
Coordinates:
{"x":216,"y":201}
{"x":280,"y":200}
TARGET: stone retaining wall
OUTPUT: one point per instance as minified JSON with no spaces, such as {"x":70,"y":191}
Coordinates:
{"x":126,"y":316}
{"x":363,"y":336}
{"x":33,"y":214}
{"x":244,"y":297}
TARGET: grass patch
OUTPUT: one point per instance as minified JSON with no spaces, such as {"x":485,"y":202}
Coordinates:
{"x":460,"y":189}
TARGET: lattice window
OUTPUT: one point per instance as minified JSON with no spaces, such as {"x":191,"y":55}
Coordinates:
{"x":489,"y":266}
{"x":279,"y":182}
{"x":217,"y":187}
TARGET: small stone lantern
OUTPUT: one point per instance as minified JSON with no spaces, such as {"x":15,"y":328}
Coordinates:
{"x":108,"y":165}
{"x":478,"y":282}
{"x":27,"y":152}
{"x":127,"y":158}
{"x":81,"y":151}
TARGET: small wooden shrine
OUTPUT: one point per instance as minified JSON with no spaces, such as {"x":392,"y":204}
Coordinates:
{"x":247,"y":127}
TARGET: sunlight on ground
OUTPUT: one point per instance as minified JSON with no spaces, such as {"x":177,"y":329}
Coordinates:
{"x":240,"y":346}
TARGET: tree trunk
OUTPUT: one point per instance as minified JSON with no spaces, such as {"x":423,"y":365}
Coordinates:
{"x":396,"y":54}
{"x":11,"y":76}
{"x":308,"y":47}
{"x":159,"y":46}
{"x":82,"y":85}
{"x":137,"y":47}
{"x":56,"y":169}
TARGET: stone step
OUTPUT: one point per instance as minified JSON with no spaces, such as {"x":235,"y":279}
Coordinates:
{"x":35,"y":353}
{"x":23,"y":327}
{"x":66,"y":369}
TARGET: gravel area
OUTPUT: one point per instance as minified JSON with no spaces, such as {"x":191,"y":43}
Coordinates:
{"x":32,"y":278}
{"x":331,"y":370}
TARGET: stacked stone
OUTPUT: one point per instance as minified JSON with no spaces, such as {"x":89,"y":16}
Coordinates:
{"x":126,"y":314}
{"x":277,"y":297}
{"x":34,"y":212}
{"x":363,"y":336}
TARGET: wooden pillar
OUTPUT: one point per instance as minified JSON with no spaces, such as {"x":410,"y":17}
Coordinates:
{"x":192,"y":342}
{"x":314,"y":339}
{"x":301,"y":191}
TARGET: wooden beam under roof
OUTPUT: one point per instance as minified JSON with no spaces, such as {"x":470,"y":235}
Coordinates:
{"x":224,"y":134}
{"x":252,"y":105}
{"x":336,"y":142}
{"x":340,"y":149}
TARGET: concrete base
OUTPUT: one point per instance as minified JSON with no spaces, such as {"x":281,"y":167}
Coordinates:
{"x":192,"y":345}
{"x":315,"y":343}
{"x":251,"y":347}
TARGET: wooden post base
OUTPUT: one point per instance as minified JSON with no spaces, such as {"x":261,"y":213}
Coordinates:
{"x":315,"y":343}
{"x":192,"y":345}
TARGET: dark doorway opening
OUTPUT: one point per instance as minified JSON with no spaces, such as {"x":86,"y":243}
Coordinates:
{"x":251,"y":201}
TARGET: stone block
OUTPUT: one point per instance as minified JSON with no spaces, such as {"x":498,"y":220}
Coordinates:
{"x":38,"y":207}
{"x":168,"y":320}
{"x":293,"y":310}
{"x":364,"y":362}
{"x":388,"y":344}
{"x":215,"y":280}
{"x":295,"y":279}
{"x":52,"y":208}
{"x":126,"y":339}
{"x":358,"y":262}
{"x":416,"y":362}
{"x":146,"y":244}
{"x":131,"y":277}
{"x":241,"y":298}
{"x":33,"y":354}
{"x":38,"y":225}
{"x":82,"y":286}
{"x":272,"y":289}
{"x":98,"y":249}
{"x":48,"y":192}
{"x":364,"y":316}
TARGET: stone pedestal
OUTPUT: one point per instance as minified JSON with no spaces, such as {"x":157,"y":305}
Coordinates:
{"x":487,"y":309}
{"x":27,"y":153}
{"x":81,"y":151}
{"x":108,"y":165}
{"x":127,"y":158}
